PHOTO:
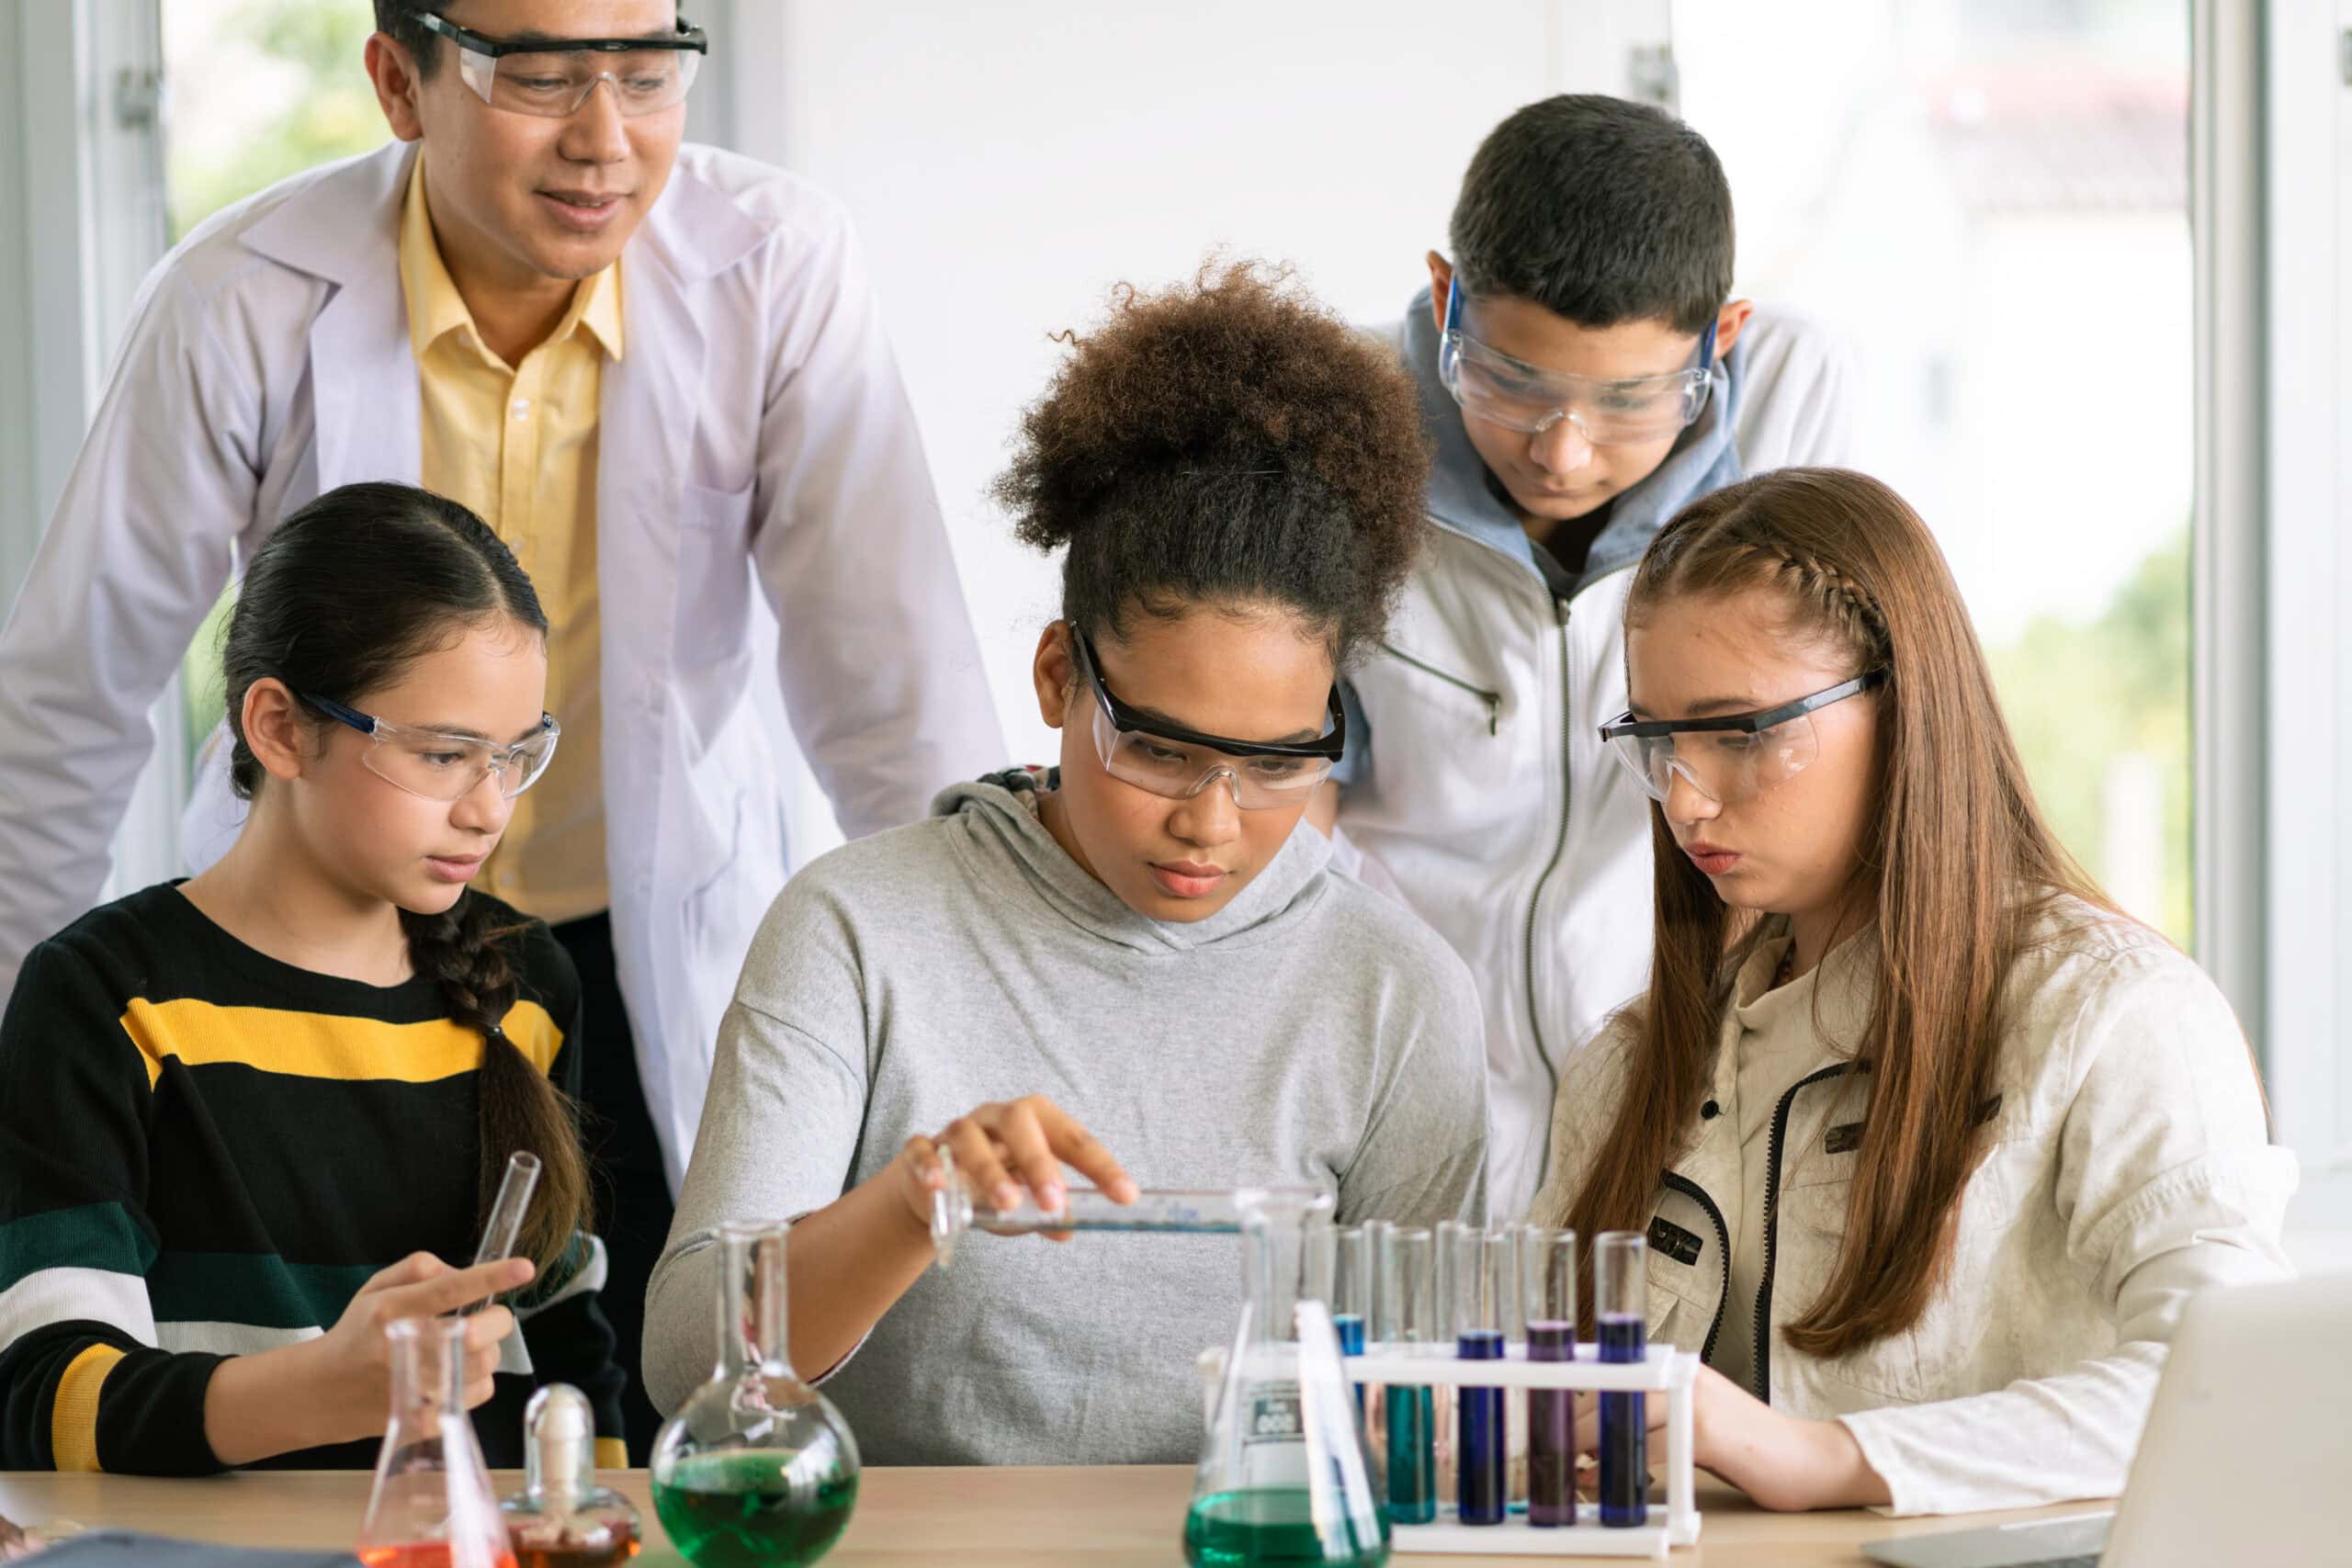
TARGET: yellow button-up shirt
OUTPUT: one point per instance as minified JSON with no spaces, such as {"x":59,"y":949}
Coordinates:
{"x":518,"y":446}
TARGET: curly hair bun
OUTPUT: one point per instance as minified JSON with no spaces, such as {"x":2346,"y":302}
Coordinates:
{"x":1227,"y":440}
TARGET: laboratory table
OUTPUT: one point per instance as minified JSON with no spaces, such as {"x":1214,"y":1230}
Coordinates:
{"x":1096,"y":1515}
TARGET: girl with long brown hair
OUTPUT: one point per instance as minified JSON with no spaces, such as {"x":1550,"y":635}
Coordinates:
{"x":1931,"y":1142}
{"x":253,"y":1116}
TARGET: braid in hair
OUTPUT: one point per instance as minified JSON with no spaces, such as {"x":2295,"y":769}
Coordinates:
{"x":464,"y":950}
{"x":1839,"y":599}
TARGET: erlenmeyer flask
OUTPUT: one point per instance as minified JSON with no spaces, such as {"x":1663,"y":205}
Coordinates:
{"x":1286,"y":1476}
{"x":756,"y":1468}
{"x":432,"y":1505}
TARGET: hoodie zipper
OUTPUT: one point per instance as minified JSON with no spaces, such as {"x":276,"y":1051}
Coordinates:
{"x":1771,"y":1228}
{"x":1692,"y":1190}
{"x":1493,"y":700}
{"x":1559,"y":844}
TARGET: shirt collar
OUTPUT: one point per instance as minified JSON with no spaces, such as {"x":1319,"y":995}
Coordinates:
{"x":437,"y":309}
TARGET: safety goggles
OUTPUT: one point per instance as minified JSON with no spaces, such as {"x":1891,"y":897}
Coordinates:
{"x":1168,"y":760}
{"x":1518,"y":396}
{"x":552,"y":77}
{"x":441,"y":766}
{"x":1731,"y":758}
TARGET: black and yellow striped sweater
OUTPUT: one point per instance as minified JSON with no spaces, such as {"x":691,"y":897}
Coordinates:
{"x":205,"y":1152}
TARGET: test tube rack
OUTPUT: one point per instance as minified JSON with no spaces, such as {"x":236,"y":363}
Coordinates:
{"x":1665,"y":1371}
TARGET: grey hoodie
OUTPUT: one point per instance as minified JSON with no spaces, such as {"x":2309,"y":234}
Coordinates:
{"x":1311,"y":1031}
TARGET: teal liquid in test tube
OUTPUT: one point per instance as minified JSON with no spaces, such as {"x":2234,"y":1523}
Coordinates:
{"x":1407,"y":1325}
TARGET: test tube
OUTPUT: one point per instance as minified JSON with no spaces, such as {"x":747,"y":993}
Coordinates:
{"x":1406,"y":1320}
{"x":506,"y":1211}
{"x":1547,"y":1272}
{"x":1450,"y":1245}
{"x":1482,"y":1288}
{"x":1621,"y":1307}
{"x":1350,"y":1291}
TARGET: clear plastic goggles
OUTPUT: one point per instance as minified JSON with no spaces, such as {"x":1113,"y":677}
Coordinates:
{"x":1732,"y":759}
{"x":1517,"y":396}
{"x":1171,"y":760}
{"x":552,"y":80}
{"x":441,"y":766}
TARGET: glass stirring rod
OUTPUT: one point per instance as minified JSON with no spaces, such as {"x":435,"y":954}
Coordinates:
{"x":506,"y":1224}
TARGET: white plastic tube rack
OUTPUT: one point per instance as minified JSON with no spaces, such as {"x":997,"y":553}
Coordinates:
{"x":1666,"y":1370}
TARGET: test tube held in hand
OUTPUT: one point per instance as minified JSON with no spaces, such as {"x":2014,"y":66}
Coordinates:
{"x":1620,"y":1311}
{"x":506,"y":1224}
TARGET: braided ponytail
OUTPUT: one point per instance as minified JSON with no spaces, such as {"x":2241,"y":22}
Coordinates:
{"x":336,"y":602}
{"x":463,"y":950}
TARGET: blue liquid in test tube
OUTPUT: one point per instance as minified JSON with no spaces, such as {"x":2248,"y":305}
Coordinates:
{"x":1484,"y":1498}
{"x":1483,"y":1280}
{"x":1351,"y":1292}
{"x":1623,"y":1286}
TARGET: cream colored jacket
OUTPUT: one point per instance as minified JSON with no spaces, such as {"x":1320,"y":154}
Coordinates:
{"x":2130,"y":1167}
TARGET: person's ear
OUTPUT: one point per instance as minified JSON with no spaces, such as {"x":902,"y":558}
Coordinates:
{"x":393,"y":73}
{"x":1730,"y":321}
{"x":277,"y":729}
{"x":1441,"y":285}
{"x":1055,"y":673}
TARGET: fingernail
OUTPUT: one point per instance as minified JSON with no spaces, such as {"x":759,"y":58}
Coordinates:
{"x":1008,"y":1196}
{"x":1052,"y":1195}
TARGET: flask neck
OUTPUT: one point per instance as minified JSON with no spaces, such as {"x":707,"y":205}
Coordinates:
{"x":751,"y":1321}
{"x":1274,"y":1242}
{"x":428,"y":1371}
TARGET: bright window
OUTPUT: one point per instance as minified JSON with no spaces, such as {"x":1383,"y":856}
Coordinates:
{"x":1990,"y":202}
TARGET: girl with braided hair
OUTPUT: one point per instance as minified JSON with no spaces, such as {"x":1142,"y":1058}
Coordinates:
{"x":1932,"y":1143}
{"x":250,"y":1117}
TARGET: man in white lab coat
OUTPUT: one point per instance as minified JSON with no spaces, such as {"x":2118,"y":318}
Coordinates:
{"x":656,"y":371}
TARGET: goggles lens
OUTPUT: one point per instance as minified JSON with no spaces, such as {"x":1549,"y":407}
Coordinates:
{"x":1517,"y":396}
{"x":553,"y":85}
{"x":1178,"y":769}
{"x":1728,"y":766}
{"x":1734,"y":758}
{"x":1608,"y":413}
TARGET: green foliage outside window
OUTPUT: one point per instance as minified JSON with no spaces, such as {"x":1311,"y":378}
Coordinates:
{"x":302,"y":58}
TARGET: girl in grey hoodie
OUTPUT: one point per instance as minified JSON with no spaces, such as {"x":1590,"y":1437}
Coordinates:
{"x":1135,"y":962}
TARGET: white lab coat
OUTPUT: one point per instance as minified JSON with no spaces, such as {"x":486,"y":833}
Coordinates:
{"x":755,"y":429}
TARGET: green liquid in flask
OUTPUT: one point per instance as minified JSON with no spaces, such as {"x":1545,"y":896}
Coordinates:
{"x":735,"y":1510}
{"x":1267,"y":1527}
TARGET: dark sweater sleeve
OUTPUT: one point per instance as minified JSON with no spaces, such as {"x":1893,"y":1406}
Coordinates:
{"x":82,"y":1386}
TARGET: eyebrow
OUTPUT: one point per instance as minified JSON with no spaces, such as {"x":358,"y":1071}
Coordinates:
{"x":1539,"y":372}
{"x":464,"y":732}
{"x":533,"y":38}
{"x":1708,"y":708}
{"x":1295,"y":738}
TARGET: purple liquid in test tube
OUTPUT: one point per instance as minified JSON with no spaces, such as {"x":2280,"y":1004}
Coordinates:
{"x":1548,"y":1278}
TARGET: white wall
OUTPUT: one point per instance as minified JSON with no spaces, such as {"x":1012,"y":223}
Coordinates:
{"x":1008,"y":163}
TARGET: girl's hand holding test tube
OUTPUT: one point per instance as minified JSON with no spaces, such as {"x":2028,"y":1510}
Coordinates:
{"x":335,"y":1388}
{"x":1780,"y":1460}
{"x":1002,"y":1147}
